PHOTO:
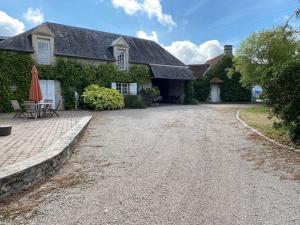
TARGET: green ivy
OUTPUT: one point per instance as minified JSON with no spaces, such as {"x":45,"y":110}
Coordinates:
{"x":15,"y":68}
{"x":231,"y":89}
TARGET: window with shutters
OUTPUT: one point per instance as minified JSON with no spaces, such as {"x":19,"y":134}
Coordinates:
{"x":121,"y":54}
{"x":43,"y":51}
{"x":123,"y":88}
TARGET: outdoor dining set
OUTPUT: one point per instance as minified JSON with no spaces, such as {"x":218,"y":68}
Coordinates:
{"x":35,"y":107}
{"x":32,"y":109}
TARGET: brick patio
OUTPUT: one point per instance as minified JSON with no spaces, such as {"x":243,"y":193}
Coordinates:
{"x":30,"y":136}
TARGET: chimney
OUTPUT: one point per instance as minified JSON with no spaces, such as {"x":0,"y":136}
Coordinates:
{"x":228,"y":50}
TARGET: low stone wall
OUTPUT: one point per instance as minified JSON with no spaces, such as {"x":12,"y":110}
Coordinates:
{"x":24,"y":174}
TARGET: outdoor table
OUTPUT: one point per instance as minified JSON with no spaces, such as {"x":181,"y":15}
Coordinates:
{"x":45,"y":106}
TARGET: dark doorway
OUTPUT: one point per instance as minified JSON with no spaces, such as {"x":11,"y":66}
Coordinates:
{"x":164,"y":86}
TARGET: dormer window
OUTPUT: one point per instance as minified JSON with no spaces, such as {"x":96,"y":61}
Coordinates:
{"x":43,"y":51}
{"x":121,"y":54}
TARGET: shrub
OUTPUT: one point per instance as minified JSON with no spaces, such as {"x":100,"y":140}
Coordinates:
{"x":188,"y":92}
{"x":101,"y":98}
{"x":149,"y":95}
{"x":134,"y":102}
{"x":194,"y":101}
{"x":202,"y":89}
{"x":282,"y":94}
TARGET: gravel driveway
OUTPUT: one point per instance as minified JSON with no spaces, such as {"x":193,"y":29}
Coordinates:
{"x":168,"y":165}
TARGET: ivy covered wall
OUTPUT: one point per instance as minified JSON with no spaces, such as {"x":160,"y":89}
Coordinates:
{"x":231,"y":89}
{"x":15,"y":69}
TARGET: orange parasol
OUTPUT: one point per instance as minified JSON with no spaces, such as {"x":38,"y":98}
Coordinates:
{"x":35,"y":93}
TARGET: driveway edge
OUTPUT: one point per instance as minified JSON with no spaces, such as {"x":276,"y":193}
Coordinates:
{"x":262,"y":135}
{"x":22,"y":175}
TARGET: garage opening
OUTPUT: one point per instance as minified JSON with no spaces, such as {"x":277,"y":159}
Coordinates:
{"x":171,"y":91}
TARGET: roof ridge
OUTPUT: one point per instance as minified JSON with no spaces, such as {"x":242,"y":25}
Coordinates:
{"x":98,"y":31}
{"x":154,"y":64}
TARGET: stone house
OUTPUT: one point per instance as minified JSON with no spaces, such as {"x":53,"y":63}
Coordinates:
{"x":199,"y":71}
{"x":49,"y":41}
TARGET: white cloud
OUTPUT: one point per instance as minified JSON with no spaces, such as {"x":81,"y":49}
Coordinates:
{"x":142,"y":34}
{"x":187,"y":51}
{"x":152,"y":8}
{"x":10,"y":26}
{"x":190,"y":53}
{"x":34,"y":16}
{"x":129,"y":6}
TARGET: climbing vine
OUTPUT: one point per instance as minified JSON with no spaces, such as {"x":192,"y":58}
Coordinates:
{"x":15,"y":69}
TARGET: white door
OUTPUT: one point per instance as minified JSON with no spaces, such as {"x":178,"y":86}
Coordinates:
{"x":48,"y":90}
{"x":215,"y":93}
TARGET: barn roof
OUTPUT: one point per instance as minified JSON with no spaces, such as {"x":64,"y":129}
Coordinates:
{"x":199,"y":70}
{"x":172,"y":72}
{"x":91,"y":44}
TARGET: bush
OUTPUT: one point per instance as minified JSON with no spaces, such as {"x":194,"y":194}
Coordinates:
{"x":282,"y":94}
{"x":101,"y":98}
{"x":188,"y":92}
{"x":194,"y":101}
{"x":149,"y":95}
{"x":134,"y":102}
{"x":202,"y":89}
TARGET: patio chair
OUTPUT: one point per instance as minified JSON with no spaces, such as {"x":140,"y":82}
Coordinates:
{"x":19,"y":112}
{"x":54,"y":111}
{"x":31,"y":109}
{"x":48,"y":106}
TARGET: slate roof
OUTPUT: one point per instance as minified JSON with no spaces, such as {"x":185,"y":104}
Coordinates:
{"x":199,"y":70}
{"x":215,"y":60}
{"x":91,"y":44}
{"x":216,"y":80}
{"x":172,"y":72}
{"x":2,"y":38}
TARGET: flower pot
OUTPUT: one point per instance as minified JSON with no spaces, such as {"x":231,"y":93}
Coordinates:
{"x":5,"y":130}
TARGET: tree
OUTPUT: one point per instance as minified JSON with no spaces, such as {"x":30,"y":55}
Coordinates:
{"x":282,"y":93}
{"x":263,"y":50}
{"x":271,"y":59}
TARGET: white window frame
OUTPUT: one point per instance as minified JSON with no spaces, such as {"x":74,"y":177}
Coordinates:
{"x":43,"y":55}
{"x":121,"y":59}
{"x":123,"y":88}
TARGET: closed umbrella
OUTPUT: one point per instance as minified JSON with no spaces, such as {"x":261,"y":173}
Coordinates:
{"x":35,"y":93}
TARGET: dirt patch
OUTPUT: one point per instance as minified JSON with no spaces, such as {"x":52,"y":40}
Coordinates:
{"x":272,"y":158}
{"x":14,"y":206}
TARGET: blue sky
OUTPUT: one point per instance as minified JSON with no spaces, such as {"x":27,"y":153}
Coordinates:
{"x":192,"y":30}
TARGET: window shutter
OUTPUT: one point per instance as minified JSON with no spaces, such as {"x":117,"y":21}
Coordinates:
{"x":114,"y":85}
{"x":133,"y":88}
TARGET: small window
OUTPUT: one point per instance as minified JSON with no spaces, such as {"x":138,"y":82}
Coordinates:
{"x":123,"y":88}
{"x":43,"y":51}
{"x":121,"y":59}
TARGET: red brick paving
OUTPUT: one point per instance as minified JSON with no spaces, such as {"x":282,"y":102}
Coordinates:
{"x":30,"y":137}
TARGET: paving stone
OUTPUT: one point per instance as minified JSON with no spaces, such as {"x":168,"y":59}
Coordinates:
{"x":30,"y":137}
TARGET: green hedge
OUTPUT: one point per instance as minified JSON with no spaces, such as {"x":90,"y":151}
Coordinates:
{"x":15,"y":68}
{"x":134,"y":102}
{"x":231,"y":89}
{"x":282,"y":94}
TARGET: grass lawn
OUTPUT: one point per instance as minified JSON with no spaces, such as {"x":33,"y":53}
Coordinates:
{"x":257,"y":117}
